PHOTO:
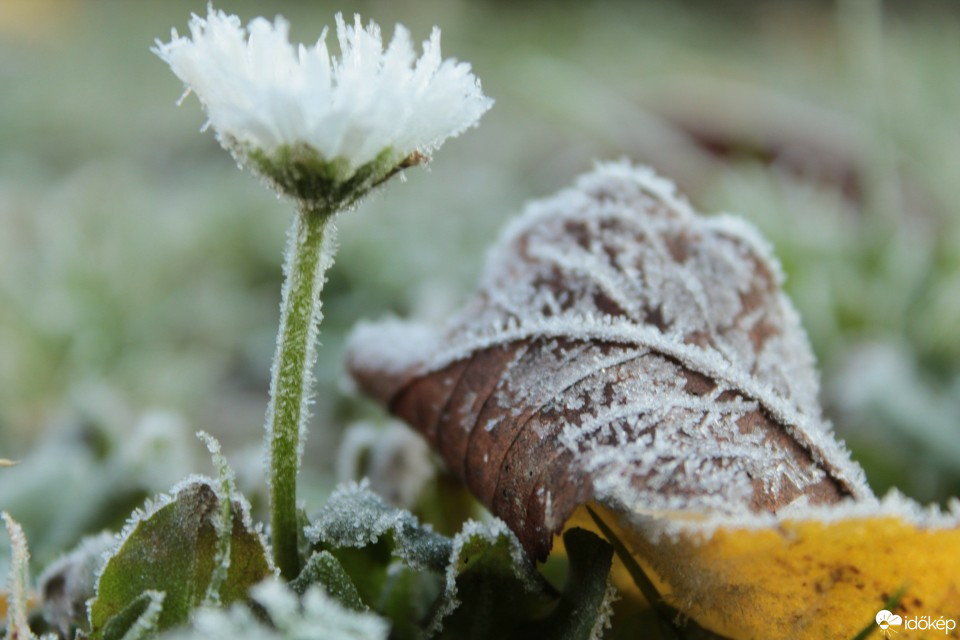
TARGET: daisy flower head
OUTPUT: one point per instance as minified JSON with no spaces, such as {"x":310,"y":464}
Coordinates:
{"x":323,"y":129}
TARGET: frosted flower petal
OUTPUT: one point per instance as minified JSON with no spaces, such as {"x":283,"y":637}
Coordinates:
{"x":266,"y":98}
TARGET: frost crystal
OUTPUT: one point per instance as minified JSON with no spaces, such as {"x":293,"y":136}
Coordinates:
{"x":488,"y":535}
{"x":623,"y":348}
{"x":260,"y":92}
{"x":314,"y":617}
{"x":354,"y":516}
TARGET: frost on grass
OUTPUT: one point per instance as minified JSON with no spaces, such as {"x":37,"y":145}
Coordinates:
{"x":19,"y":581}
{"x":620,"y":348}
{"x":315,"y":616}
{"x":355,"y":517}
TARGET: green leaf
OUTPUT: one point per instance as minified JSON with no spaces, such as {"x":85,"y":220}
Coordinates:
{"x":325,"y":570}
{"x":137,"y":619}
{"x":356,"y":517}
{"x":406,"y":600}
{"x":491,"y":586}
{"x":173,"y":549}
{"x":583,"y":610}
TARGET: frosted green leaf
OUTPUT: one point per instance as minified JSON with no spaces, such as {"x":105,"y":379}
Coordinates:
{"x":138,"y":619}
{"x":326,"y":571}
{"x":354,"y":516}
{"x":172,"y":548}
{"x":491,"y":587}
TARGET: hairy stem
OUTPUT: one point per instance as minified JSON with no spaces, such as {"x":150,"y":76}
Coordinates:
{"x":307,"y":259}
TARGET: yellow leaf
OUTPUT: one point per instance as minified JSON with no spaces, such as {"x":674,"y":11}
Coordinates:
{"x":823,"y":574}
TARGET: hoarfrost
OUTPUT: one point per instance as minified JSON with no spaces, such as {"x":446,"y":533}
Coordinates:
{"x":146,"y":622}
{"x":316,"y":616}
{"x":354,"y":516}
{"x":653,"y":344}
{"x":489,"y":533}
{"x":893,"y":505}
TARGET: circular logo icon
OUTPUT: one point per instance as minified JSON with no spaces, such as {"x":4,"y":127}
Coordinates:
{"x":885,"y":619}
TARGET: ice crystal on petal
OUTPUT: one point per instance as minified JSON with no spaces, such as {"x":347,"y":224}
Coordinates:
{"x":263,"y":94}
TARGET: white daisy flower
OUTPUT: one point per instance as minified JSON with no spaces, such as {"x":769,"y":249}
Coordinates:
{"x":319,"y":128}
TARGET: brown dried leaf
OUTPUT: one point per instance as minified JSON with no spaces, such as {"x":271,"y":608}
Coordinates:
{"x":622,"y":349}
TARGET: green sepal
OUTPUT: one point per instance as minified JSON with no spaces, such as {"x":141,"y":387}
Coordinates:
{"x":318,"y":183}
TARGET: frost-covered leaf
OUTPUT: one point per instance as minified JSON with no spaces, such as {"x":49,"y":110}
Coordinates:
{"x":138,"y":619}
{"x":70,"y":581}
{"x":315,"y":616}
{"x":326,"y":571}
{"x":809,"y":573}
{"x":394,"y":561}
{"x":355,"y":517}
{"x":491,"y":588}
{"x":621,"y":348}
{"x":172,"y":549}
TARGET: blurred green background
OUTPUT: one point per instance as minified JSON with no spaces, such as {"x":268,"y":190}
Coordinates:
{"x":140,"y":271}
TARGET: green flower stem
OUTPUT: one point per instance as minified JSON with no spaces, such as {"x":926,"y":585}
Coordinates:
{"x":292,"y":376}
